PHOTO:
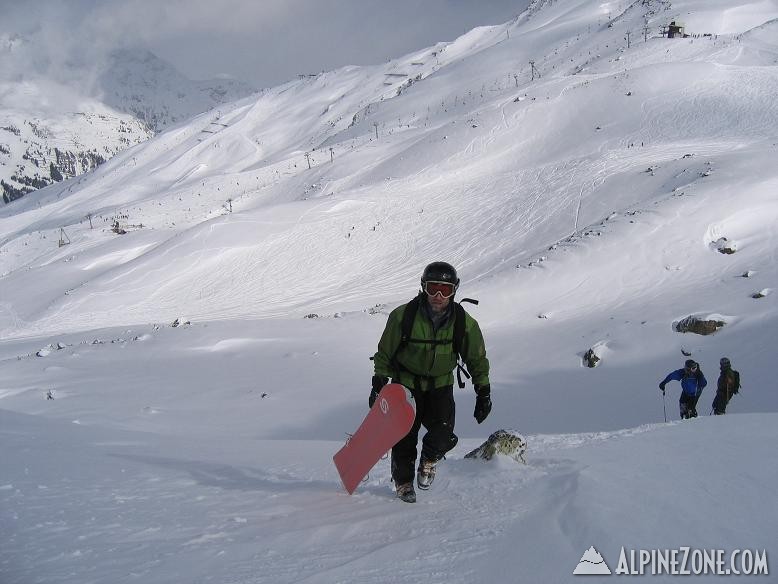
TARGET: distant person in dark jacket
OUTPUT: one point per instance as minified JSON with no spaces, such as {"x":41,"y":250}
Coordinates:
{"x":692,"y":383}
{"x":728,"y":385}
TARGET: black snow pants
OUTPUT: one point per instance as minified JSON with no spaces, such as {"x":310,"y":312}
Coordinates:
{"x":435,"y":410}
{"x":688,"y":405}
{"x":720,"y":403}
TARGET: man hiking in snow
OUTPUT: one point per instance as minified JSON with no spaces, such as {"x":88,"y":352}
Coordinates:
{"x":419,"y":348}
{"x":692,"y":383}
{"x":728,"y":385}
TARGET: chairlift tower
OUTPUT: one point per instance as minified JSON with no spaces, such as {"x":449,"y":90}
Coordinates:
{"x":534,"y":70}
{"x":63,"y":238}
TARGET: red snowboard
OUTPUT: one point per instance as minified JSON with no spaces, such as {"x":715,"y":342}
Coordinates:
{"x":387,"y":422}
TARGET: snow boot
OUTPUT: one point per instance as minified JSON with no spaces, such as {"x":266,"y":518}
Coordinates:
{"x":426,"y":473}
{"x":406,"y":493}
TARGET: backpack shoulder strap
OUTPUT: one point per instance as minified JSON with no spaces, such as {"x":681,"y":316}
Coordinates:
{"x":409,"y":315}
{"x":460,"y":318}
{"x":459,"y":327}
{"x":459,"y":338}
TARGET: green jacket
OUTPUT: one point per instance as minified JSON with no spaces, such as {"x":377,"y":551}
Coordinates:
{"x":432,"y":362}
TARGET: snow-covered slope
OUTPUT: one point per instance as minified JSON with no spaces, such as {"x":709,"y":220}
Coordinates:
{"x":587,"y":208}
{"x":82,"y":503}
{"x":467,"y":166}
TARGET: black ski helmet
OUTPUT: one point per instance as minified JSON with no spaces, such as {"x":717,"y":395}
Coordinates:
{"x":690,"y":364}
{"x":725,"y":363}
{"x":440,"y":272}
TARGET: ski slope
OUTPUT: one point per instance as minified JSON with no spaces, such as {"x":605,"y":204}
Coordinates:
{"x":584,"y":209}
{"x":127,"y":506}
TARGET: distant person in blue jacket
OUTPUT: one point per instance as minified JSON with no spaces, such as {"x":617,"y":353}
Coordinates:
{"x":692,"y":383}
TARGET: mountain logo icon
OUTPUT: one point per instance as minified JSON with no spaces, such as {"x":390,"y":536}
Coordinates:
{"x":592,"y":563}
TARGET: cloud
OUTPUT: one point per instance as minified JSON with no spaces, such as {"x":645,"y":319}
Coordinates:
{"x":264,"y":42}
{"x":53,"y":39}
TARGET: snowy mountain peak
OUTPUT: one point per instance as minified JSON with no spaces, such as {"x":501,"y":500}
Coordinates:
{"x":52,"y":127}
{"x":138,"y":82}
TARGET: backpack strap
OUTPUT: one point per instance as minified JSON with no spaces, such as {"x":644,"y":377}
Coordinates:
{"x":459,"y":324}
{"x":409,"y":315}
{"x":411,"y":309}
{"x":459,"y":339}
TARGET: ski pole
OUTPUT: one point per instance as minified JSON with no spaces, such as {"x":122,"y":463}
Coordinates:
{"x":664,"y":405}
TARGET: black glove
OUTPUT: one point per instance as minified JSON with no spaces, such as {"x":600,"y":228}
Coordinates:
{"x":378,"y":383}
{"x":483,"y":402}
{"x":662,"y":386}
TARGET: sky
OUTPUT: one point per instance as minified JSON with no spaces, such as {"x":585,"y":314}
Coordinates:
{"x":265,"y":42}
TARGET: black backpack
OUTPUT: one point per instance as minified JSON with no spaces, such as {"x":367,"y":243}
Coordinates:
{"x":735,"y":382}
{"x":411,"y":309}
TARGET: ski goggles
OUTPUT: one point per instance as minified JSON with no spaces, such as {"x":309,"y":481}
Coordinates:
{"x":445,"y":289}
